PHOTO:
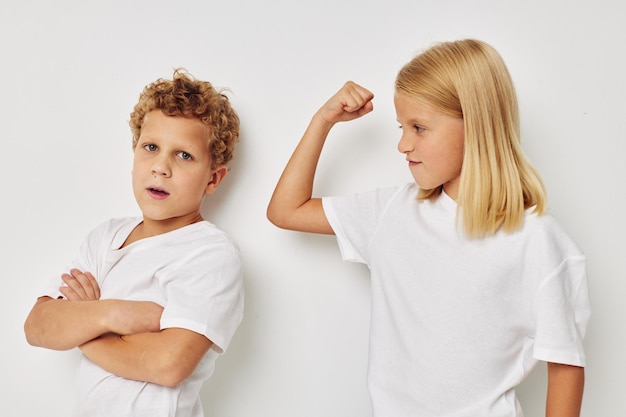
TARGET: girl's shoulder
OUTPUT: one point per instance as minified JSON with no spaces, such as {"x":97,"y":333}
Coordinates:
{"x":545,"y":233}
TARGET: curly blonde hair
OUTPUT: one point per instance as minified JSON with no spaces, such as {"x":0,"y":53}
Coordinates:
{"x":468,"y":79}
{"x":185,"y":96}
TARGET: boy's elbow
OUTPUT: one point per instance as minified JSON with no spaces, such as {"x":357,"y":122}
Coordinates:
{"x":173,"y":366}
{"x":31,"y":336}
{"x":172,"y":374}
{"x":37,"y":332}
{"x":36,"y":336}
{"x":169,"y":381}
{"x":33,"y":333}
{"x":175,"y":356}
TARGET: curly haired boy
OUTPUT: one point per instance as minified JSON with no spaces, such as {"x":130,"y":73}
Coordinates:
{"x":152,"y":301}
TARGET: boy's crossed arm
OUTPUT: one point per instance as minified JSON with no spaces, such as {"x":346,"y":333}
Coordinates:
{"x":63,"y":324}
{"x":165,"y":358}
{"x":121,"y":336}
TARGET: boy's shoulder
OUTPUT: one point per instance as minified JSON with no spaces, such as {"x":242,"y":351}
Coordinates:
{"x":120,"y":222}
{"x":115,"y":224}
{"x":202,"y":237}
{"x":210,"y":230}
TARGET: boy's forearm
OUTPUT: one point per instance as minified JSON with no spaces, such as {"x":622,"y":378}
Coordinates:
{"x":125,"y":356}
{"x":61,"y":324}
{"x":565,"y":390}
{"x":166,"y":357}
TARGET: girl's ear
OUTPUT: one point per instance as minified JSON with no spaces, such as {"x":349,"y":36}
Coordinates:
{"x":217,"y":177}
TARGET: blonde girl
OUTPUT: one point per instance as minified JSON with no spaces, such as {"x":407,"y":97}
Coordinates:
{"x":473,"y":282}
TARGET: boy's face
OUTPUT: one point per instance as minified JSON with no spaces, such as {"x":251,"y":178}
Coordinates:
{"x":172,"y":170}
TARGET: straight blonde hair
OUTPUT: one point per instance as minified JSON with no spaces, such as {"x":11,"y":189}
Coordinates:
{"x":468,"y":79}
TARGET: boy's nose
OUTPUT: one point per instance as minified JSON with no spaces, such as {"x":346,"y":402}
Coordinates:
{"x":161,"y":168}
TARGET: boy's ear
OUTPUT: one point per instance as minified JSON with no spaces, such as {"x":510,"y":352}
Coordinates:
{"x":218,"y":176}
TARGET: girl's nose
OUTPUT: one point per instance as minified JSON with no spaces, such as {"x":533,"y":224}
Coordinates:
{"x":405,"y":145}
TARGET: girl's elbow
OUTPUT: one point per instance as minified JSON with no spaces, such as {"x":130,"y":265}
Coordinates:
{"x":276,"y":218}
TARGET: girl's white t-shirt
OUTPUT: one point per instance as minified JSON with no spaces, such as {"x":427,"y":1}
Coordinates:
{"x":458,"y":323}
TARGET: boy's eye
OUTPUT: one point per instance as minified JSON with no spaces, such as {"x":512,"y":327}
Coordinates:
{"x":184,"y":155}
{"x":150,"y":147}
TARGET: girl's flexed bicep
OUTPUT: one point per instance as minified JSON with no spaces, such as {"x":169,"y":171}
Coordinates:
{"x":292,"y":205}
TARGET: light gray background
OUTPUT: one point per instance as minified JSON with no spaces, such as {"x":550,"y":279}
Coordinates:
{"x":72,"y":70}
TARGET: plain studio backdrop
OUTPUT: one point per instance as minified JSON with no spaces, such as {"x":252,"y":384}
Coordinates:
{"x":72,"y":70}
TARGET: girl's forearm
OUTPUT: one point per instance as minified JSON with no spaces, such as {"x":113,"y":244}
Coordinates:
{"x":565,"y":390}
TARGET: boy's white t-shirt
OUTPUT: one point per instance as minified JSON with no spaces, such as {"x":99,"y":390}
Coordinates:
{"x":195,"y":273}
{"x":458,"y":323}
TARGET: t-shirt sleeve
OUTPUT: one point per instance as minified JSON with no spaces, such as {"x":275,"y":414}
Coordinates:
{"x":205,"y":292}
{"x":355,"y":220}
{"x":563,"y":311}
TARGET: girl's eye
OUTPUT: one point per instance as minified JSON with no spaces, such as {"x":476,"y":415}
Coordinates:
{"x":184,"y":155}
{"x":418,"y":129}
{"x":150,"y":147}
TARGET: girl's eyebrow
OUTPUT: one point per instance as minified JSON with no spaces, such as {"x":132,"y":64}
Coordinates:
{"x":414,"y":121}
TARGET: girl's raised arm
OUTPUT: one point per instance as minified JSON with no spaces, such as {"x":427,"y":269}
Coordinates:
{"x":292,"y":206}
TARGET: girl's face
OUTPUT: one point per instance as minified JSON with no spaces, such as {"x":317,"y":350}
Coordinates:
{"x":433,"y":144}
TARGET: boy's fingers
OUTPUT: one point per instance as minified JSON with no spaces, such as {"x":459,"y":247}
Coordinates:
{"x":88,"y":284}
{"x":83,"y":285}
{"x":94,"y":285}
{"x":69,"y":294}
{"x":71,"y":288}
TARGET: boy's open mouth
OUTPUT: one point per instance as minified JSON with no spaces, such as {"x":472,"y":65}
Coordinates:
{"x":158,"y":191}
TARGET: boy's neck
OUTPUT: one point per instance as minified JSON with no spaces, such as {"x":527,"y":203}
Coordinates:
{"x":149,"y":228}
